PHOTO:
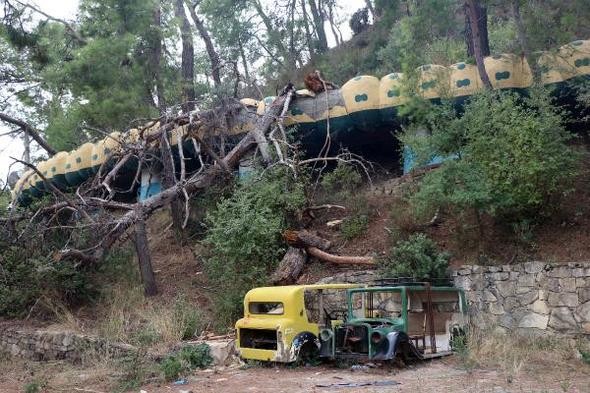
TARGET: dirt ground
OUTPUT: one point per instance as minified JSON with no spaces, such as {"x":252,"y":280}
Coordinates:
{"x":442,"y":375}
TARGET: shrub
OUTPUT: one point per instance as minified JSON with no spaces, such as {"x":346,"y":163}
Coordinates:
{"x":344,"y":179}
{"x":416,"y":257}
{"x":244,"y":236}
{"x":186,"y":360}
{"x":354,"y":226}
{"x":510,"y":156}
{"x":187,"y":319}
{"x":171,"y":368}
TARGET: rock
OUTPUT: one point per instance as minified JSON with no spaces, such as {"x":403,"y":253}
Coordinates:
{"x":563,"y":299}
{"x":567,"y":284}
{"x":553,"y":285}
{"x":222,"y":351}
{"x":584,"y":295}
{"x":534,"y":320}
{"x":578,"y":272}
{"x":527,"y":298}
{"x":560,"y":272}
{"x":540,"y":307}
{"x":526,"y":280}
{"x":586,"y":327}
{"x":463,"y":282}
{"x":464,"y":272}
{"x":534,"y":267}
{"x":493,"y":269}
{"x":543,"y":294}
{"x":583,"y":312}
{"x":562,"y":319}
{"x":500,"y":276}
{"x":489,"y":297}
{"x":506,"y":288}
{"x":496,"y":309}
{"x":67,"y":340}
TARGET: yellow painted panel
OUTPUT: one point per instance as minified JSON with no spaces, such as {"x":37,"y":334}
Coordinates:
{"x":58,"y":163}
{"x":43,"y":167}
{"x":131,"y":136}
{"x":84,"y":152}
{"x":72,"y":162}
{"x":433,"y":81}
{"x":249,"y":102}
{"x":390,"y":91}
{"x":305,"y":93}
{"x":26,"y":180}
{"x":507,"y":71}
{"x":554,"y":68}
{"x":577,"y":55}
{"x":464,"y":80}
{"x":361,"y":93}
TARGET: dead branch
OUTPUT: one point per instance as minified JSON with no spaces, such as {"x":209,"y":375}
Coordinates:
{"x":338,"y":259}
{"x":304,"y":239}
{"x":32,"y":131}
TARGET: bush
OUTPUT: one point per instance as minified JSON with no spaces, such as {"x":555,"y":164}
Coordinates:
{"x":416,"y":257}
{"x":187,"y":318}
{"x":510,"y":156}
{"x":244,"y":235}
{"x":28,"y":273}
{"x":354,"y":226}
{"x":342,"y":180}
{"x":188,"y":359}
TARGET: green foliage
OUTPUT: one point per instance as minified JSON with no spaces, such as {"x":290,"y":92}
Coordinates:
{"x":33,"y":387}
{"x":355,"y":226}
{"x":189,"y":358}
{"x":5,"y":200}
{"x":27,"y":273}
{"x":417,"y":257}
{"x":135,"y":369}
{"x":344,"y":179}
{"x":244,"y":234}
{"x":511,"y":155}
{"x":171,"y":368}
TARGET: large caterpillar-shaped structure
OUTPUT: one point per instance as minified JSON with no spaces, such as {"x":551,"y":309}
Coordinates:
{"x":363,"y":113}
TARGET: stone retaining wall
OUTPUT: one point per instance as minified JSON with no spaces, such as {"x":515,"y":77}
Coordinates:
{"x":533,"y":296}
{"x":51,"y":345}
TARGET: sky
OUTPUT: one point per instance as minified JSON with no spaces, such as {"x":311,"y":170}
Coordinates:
{"x":66,"y":9}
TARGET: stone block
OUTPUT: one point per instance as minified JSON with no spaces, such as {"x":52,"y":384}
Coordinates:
{"x":567,"y":284}
{"x":534,"y":267}
{"x":496,"y":308}
{"x":499,"y":276}
{"x":493,"y":269}
{"x":527,"y":298}
{"x":560,"y":272}
{"x":463,"y":282}
{"x":506,"y":288}
{"x":489,"y":296}
{"x":583,"y":312}
{"x":584,"y":295}
{"x":534,"y":321}
{"x":586,"y":327}
{"x":463,"y":272}
{"x":578,"y":272}
{"x":506,"y":268}
{"x":563,"y":299}
{"x":582,"y":283}
{"x":540,"y":307}
{"x":526,"y":280}
{"x":553,"y":285}
{"x":562,"y":320}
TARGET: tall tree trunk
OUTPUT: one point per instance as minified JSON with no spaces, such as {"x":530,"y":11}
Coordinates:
{"x":168,"y":181}
{"x":211,"y":52}
{"x":374,"y":12}
{"x":476,"y":34}
{"x":244,"y":60}
{"x":523,"y":40}
{"x":156,"y":58}
{"x":274,"y":34}
{"x":308,"y":35}
{"x":144,"y":259}
{"x":27,"y":146}
{"x":318,"y":22}
{"x":188,"y":58}
{"x":333,"y":24}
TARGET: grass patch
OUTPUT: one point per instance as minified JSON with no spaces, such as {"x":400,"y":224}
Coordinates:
{"x":187,"y":359}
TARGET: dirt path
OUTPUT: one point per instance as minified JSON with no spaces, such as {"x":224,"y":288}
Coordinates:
{"x":437,"y":376}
